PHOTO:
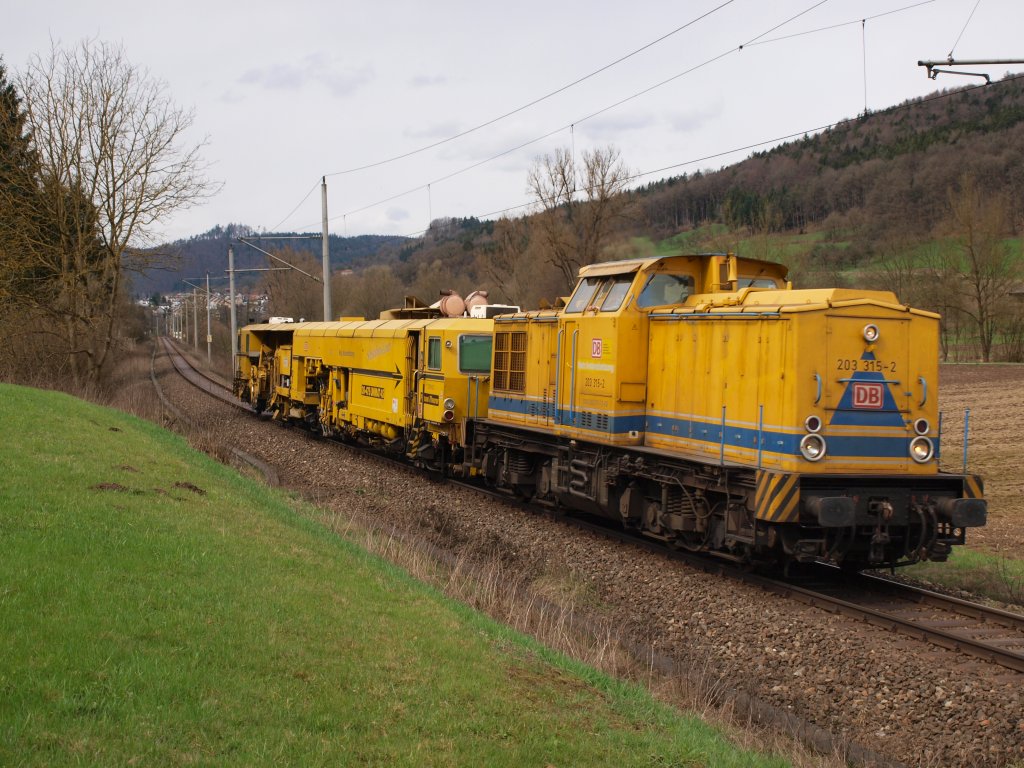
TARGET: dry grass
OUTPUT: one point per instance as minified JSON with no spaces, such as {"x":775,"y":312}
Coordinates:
{"x":557,"y":609}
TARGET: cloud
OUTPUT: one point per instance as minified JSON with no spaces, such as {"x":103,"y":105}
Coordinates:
{"x":609,"y":127}
{"x":427,"y":81}
{"x":315,"y":69}
{"x":397,"y":214}
{"x":694,"y":120}
{"x":433,"y":131}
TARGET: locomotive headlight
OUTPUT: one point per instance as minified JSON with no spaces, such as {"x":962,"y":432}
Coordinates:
{"x":449,"y":404}
{"x":449,"y":415}
{"x":921,"y":449}
{"x":812,"y":423}
{"x":813,"y":447}
{"x":921,"y":426}
{"x":871,"y":333}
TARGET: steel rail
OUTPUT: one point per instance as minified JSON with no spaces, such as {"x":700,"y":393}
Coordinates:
{"x":204,"y":381}
{"x":917,"y":629}
{"x":914,"y":596}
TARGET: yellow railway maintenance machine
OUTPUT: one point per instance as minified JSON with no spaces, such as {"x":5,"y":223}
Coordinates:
{"x":703,"y":401}
{"x":407,"y":385}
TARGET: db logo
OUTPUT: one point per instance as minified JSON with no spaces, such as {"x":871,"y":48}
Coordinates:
{"x":595,"y":347}
{"x":868,"y":396}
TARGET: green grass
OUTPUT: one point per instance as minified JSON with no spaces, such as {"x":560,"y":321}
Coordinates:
{"x":979,"y":573}
{"x":156,"y":608}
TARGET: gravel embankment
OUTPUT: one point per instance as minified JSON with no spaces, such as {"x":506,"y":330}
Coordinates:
{"x":907,"y":701}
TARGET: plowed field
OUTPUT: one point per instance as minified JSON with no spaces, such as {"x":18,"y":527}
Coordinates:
{"x":995,"y":396}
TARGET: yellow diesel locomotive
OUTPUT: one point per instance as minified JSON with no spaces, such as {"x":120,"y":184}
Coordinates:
{"x":697,"y":399}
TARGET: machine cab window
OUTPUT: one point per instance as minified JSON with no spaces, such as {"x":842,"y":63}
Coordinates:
{"x":475,"y":353}
{"x":662,"y":289}
{"x":434,"y":353}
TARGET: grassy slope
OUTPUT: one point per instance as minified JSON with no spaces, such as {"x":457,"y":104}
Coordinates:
{"x":157,"y":608}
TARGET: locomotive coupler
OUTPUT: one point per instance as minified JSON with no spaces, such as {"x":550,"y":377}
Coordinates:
{"x":879,"y":541}
{"x":881,"y":509}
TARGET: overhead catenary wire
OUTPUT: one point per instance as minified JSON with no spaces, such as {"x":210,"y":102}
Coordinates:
{"x":864,"y":58}
{"x":966,"y":23}
{"x":571,"y":125}
{"x":774,"y":140}
{"x":840,"y":24}
{"x":293,"y":210}
{"x":784,"y":23}
{"x":510,"y":113}
{"x":538,"y":100}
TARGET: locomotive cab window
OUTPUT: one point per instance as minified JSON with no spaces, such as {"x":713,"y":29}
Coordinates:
{"x":605,"y":294}
{"x":617,"y":289}
{"x":756,"y":282}
{"x":474,"y":354}
{"x":434,"y":353}
{"x":584,"y":293}
{"x":662,"y":289}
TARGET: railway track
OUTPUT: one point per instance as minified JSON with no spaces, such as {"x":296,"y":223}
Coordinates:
{"x":970,"y":628}
{"x":962,"y":626}
{"x":215,"y":387}
{"x":210,"y":383}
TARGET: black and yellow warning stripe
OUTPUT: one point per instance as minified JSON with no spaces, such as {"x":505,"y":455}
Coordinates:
{"x":777,"y":497}
{"x":973,"y":488}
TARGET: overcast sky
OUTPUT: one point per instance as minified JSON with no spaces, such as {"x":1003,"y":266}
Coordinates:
{"x":285,"y":93}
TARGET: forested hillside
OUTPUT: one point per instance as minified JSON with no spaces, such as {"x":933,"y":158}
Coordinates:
{"x":885,"y":172}
{"x":197,"y":255}
{"x":926,"y":198}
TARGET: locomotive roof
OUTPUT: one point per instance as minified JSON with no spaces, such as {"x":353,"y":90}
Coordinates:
{"x":627,"y":266}
{"x":760,"y":301}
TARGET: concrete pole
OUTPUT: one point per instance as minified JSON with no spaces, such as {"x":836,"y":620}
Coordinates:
{"x":326,"y":251}
{"x":231,"y":305}
{"x":195,"y":318}
{"x":209,"y":333}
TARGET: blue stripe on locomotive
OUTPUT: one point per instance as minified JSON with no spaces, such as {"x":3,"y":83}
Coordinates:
{"x":847,"y":446}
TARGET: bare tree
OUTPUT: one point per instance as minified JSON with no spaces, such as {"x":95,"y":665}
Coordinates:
{"x":984,"y":267}
{"x":901,"y":268}
{"x":373,"y":291}
{"x":507,"y":263}
{"x":578,"y":209}
{"x":112,"y":162}
{"x":292,"y":293}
